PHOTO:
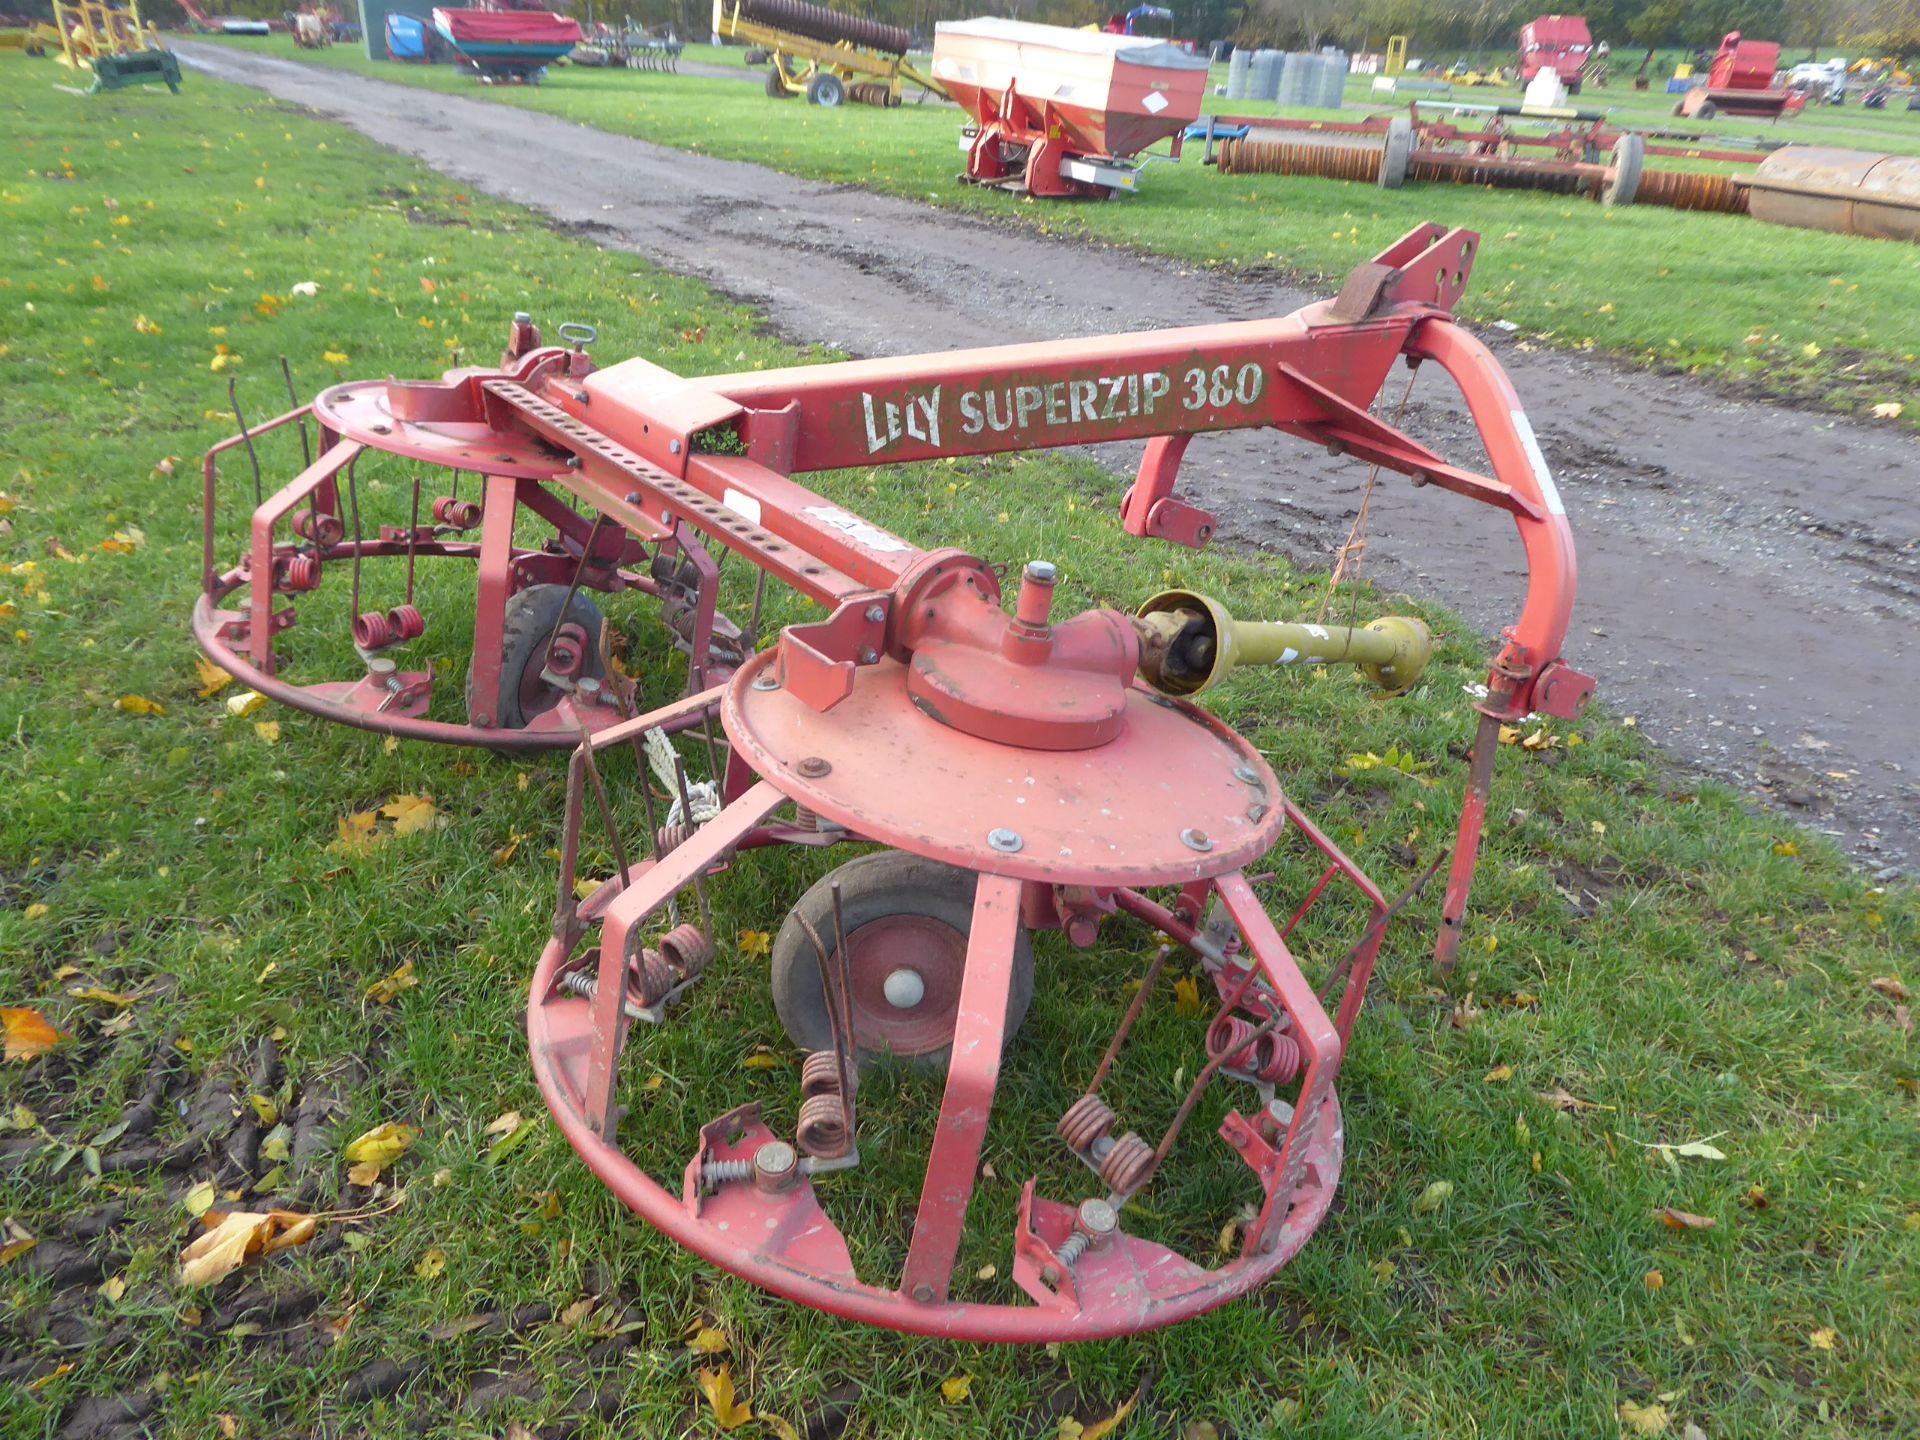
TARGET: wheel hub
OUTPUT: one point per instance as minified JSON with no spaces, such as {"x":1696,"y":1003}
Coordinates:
{"x":906,"y":983}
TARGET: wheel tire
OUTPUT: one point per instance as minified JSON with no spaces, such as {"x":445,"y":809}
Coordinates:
{"x":530,"y":620}
{"x":826,"y":90}
{"x":1629,"y":159}
{"x":1706,"y":111}
{"x":904,"y":903}
{"x":1394,"y":156}
{"x":776,"y":84}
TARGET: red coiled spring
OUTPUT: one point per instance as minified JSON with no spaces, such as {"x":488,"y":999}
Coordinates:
{"x":669,"y":838}
{"x":652,"y":978}
{"x":1128,"y":1165}
{"x":296,"y":574}
{"x":1273,"y":1057}
{"x":460,"y":514}
{"x":688,"y":949}
{"x":822,"y":1126}
{"x":1087,"y":1120}
{"x":319,"y":527}
{"x":377,"y":630}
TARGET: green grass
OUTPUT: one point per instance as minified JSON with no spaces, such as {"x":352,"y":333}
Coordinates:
{"x":1637,"y":938}
{"x":1818,"y":319}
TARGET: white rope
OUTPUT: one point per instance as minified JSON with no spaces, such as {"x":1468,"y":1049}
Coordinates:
{"x":703,"y":795}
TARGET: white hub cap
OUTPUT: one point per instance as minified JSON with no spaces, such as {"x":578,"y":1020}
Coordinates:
{"x":904,"y":988}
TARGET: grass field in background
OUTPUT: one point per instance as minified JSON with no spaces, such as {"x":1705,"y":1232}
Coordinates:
{"x":1826,"y":320}
{"x":1646,"y":962}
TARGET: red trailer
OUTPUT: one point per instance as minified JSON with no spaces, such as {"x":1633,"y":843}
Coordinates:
{"x":1062,"y":112}
{"x":1740,"y":82}
{"x":1560,"y":43}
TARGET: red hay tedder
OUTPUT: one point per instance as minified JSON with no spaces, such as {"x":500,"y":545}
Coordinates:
{"x":1021,"y":771}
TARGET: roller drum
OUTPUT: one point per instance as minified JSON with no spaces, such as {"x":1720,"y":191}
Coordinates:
{"x":816,"y":22}
{"x":1845,"y":192}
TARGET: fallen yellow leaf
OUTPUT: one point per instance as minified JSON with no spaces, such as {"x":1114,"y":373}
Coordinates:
{"x":212,"y":678}
{"x":729,"y":1413}
{"x":114,"y":1288}
{"x":139,"y":705}
{"x":267,"y":730}
{"x":1888,"y":410}
{"x":709,"y":1341}
{"x":1823,"y":1339}
{"x":1100,"y":1429}
{"x":1497,"y":1074}
{"x":99,"y":995}
{"x":245,"y":703}
{"x":384,"y":991}
{"x":1186,"y":996}
{"x":28,"y":1033}
{"x":199,"y":1199}
{"x":33,"y":912}
{"x":955,"y":1387}
{"x":409,"y":813}
{"x":232,"y":1237}
{"x":782,"y":1429}
{"x":431,"y":1264}
{"x":380,"y":1147}
{"x":358,"y":834}
{"x":1684,"y":1219}
{"x":1644,"y":1419}
{"x":755,"y":943}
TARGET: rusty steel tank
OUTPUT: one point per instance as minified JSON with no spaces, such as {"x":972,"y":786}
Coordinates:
{"x":1847,"y":192}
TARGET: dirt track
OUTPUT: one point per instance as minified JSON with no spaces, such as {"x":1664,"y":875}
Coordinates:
{"x":1750,"y":574}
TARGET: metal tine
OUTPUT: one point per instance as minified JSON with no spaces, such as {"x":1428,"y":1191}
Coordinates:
{"x":713,"y":755}
{"x":1200,"y":1083}
{"x":413,"y":538}
{"x":606,"y":806}
{"x":621,"y":700}
{"x":686,"y":813}
{"x":1127,"y":1021}
{"x":293,"y":403}
{"x":839,"y":1024}
{"x":233,"y":399}
{"x":579,"y":569}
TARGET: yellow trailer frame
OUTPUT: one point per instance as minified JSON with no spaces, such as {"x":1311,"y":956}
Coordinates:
{"x":823,"y":71}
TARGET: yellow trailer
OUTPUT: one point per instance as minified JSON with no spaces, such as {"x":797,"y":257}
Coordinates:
{"x":827,"y":57}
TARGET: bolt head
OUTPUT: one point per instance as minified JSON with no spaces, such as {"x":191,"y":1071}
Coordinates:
{"x":1042,"y":572}
{"x":766,"y":680}
{"x":1007,"y":842}
{"x":923,"y":1292}
{"x":876,"y":613}
{"x":632,"y":497}
{"x":673,"y":447}
{"x":1247,"y":773}
{"x":868,"y":655}
{"x":1196,"y":840}
{"x":381,"y":666}
{"x":521,"y":317}
{"x":813,"y":767}
{"x":776,"y":1157}
{"x":1098,"y":1217}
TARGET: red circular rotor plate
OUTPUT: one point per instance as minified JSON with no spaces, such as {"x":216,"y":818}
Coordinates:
{"x":1111,"y":815}
{"x":359,"y":411}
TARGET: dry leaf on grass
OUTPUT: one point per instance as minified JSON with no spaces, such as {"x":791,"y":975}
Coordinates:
{"x":1644,"y":1419}
{"x":1433,"y":1197}
{"x":706,"y":1340}
{"x":410,"y":813}
{"x":28,"y":1033}
{"x":384,"y":990}
{"x":212,"y":678}
{"x":955,"y":1387}
{"x":19,"y":1240}
{"x":1889,"y":986}
{"x":1823,"y":1339}
{"x":234,"y":1236}
{"x":378,"y":1148}
{"x":1684,"y":1219}
{"x":1072,"y":1429}
{"x":1186,"y":996}
{"x":729,"y":1412}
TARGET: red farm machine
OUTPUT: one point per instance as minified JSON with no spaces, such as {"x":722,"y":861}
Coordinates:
{"x":999,"y":772}
{"x":1060,"y":112}
{"x":1740,"y":82}
{"x":1560,"y":43}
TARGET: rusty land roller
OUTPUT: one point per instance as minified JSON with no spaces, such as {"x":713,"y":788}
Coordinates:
{"x":998,"y":766}
{"x":1849,"y":192}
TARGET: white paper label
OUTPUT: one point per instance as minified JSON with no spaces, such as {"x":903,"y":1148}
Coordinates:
{"x":1542,"y":476}
{"x":1154,"y":102}
{"x":871,"y":536}
{"x":745,"y":506}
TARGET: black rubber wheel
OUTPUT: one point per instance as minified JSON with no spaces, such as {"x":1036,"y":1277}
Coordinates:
{"x":531,"y":616}
{"x":1707,"y":111}
{"x":902,"y":914}
{"x":776,"y":84}
{"x":826,"y":90}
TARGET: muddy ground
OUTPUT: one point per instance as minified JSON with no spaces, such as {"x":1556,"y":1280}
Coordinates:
{"x":1750,"y":574}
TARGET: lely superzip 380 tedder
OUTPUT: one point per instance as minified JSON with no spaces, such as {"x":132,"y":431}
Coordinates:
{"x":1001,"y":770}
